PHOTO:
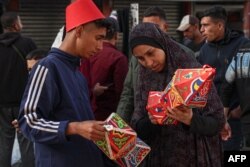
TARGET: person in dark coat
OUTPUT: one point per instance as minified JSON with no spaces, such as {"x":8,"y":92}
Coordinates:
{"x":237,"y":78}
{"x":55,"y":111}
{"x":221,"y":46}
{"x":195,"y":141}
{"x":14,"y":74}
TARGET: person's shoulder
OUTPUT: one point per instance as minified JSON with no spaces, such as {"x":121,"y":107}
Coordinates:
{"x":134,"y":61}
{"x":26,"y":42}
{"x":25,"y":38}
{"x":49,"y":60}
{"x":112,"y":52}
{"x":245,"y":47}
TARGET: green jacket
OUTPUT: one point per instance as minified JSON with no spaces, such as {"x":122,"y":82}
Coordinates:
{"x":126,"y":104}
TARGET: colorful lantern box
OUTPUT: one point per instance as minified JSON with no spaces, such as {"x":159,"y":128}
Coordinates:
{"x":188,"y":87}
{"x":135,"y":156}
{"x":157,"y":109}
{"x":121,"y":143}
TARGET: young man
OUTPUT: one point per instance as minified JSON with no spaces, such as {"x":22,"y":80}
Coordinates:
{"x":222,"y":44}
{"x":13,"y":73}
{"x":108,"y":70}
{"x":55,"y":111}
{"x":190,"y":29}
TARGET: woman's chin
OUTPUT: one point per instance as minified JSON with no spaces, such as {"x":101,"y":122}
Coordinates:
{"x":158,"y":69}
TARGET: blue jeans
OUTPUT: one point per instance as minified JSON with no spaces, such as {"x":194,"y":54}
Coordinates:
{"x":7,"y":137}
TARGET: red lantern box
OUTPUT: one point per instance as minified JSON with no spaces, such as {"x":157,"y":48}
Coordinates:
{"x":188,"y":87}
{"x":135,"y":156}
{"x":158,"y":109}
{"x":121,"y":143}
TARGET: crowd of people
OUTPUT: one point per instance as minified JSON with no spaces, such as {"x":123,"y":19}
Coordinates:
{"x":57,"y":101}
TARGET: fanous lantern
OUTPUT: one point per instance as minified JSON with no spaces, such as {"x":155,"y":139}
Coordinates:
{"x":188,"y":87}
{"x":121,"y":143}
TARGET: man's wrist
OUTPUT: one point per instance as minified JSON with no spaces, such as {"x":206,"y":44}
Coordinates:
{"x":71,"y":128}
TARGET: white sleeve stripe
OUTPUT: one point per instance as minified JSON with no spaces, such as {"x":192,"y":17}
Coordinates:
{"x":41,"y":122}
{"x":38,"y":127}
{"x":32,"y":100}
{"x":36,"y":84}
{"x":41,"y":75}
{"x":31,"y":88}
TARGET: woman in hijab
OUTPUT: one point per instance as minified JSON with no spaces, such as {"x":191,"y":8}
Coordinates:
{"x":195,"y":140}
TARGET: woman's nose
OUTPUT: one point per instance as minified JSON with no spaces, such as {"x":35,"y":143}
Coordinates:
{"x":149,"y":63}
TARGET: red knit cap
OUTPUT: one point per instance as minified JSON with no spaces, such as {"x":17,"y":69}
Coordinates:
{"x":81,"y":12}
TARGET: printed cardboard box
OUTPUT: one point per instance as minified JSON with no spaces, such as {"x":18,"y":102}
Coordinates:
{"x":188,"y":87}
{"x":135,"y":156}
{"x":121,"y":143}
{"x":157,"y":109}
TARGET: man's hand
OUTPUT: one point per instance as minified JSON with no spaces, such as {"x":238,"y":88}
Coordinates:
{"x":235,"y":113}
{"x":226,"y":132}
{"x":15,"y":124}
{"x":182,"y":113}
{"x":91,"y":130}
{"x":99,"y":90}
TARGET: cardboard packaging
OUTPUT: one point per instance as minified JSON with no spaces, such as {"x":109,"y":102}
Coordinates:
{"x":121,"y":143}
{"x":188,"y":87}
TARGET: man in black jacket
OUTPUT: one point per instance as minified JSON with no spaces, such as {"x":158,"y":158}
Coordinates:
{"x":13,"y":74}
{"x":238,"y":78}
{"x":221,"y":45}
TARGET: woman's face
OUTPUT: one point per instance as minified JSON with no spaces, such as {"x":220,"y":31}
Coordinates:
{"x":150,"y":57}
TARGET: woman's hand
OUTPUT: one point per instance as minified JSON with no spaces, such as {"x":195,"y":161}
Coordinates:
{"x":152,"y":119}
{"x":182,"y":114}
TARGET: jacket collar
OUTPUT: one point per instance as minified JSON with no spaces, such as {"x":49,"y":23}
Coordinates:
{"x":228,"y":36}
{"x":66,"y":56}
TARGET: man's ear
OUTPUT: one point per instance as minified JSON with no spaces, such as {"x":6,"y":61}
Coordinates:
{"x":79,"y":31}
{"x":166,"y":27}
{"x":221,"y":25}
{"x":15,"y":26}
{"x":197,"y":26}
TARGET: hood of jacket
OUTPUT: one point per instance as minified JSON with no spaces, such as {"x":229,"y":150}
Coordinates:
{"x":9,"y":38}
{"x":229,"y":35}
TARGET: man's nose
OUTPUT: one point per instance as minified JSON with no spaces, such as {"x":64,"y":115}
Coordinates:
{"x":100,"y":45}
{"x":202,"y":29}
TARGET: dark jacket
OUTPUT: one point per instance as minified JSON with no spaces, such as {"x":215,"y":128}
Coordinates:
{"x":194,"y":145}
{"x":109,"y":68}
{"x":13,"y":68}
{"x":238,"y":78}
{"x":57,"y":94}
{"x":219,"y":54}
